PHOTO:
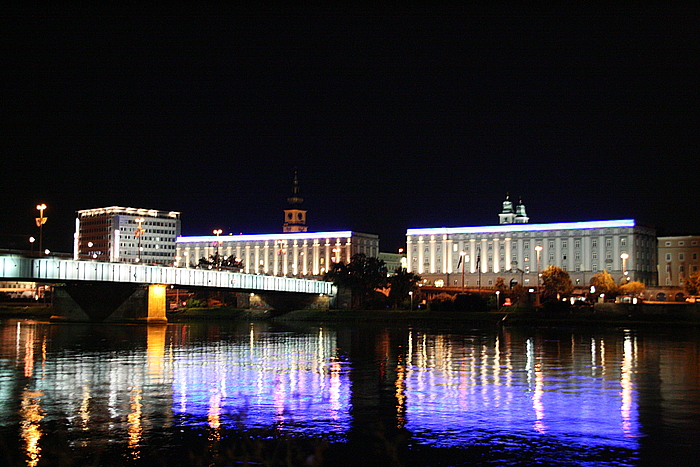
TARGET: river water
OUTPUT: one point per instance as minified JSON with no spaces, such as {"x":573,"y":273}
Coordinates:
{"x":274,"y":394}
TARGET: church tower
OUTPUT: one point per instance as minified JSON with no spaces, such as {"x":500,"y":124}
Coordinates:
{"x":507,"y":215}
{"x":520,"y":214}
{"x":294,"y":216}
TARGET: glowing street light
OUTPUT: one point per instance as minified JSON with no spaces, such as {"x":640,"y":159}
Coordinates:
{"x":410,"y":294}
{"x":138,"y":233}
{"x":463,"y":259}
{"x":40,"y":221}
{"x":217,"y":232}
{"x":538,"y":249}
{"x":624,"y":257}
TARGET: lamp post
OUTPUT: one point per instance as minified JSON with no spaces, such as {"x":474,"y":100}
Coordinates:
{"x":463,"y":259}
{"x":217,"y":232}
{"x":624,"y":257}
{"x":40,"y":221}
{"x":138,"y":233}
{"x":538,"y":250}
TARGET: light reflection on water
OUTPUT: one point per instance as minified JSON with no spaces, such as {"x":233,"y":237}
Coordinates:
{"x":508,"y":389}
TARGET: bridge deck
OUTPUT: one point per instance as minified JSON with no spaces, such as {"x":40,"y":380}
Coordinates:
{"x":50,"y":269}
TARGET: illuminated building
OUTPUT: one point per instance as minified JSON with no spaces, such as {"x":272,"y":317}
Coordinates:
{"x":511,"y":250}
{"x":293,"y":252}
{"x":286,"y":253}
{"x":679,"y":258}
{"x":130,"y":235}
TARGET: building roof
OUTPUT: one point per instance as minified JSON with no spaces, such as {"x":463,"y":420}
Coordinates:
{"x":273,"y":236}
{"x":503,"y":228}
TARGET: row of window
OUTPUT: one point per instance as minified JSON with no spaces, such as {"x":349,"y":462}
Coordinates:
{"x":681,"y":256}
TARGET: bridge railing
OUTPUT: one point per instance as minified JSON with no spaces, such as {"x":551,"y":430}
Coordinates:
{"x":54,"y":269}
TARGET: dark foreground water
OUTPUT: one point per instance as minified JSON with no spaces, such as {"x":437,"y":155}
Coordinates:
{"x":227,"y":394}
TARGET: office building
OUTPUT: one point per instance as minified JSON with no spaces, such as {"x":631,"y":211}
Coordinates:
{"x":131,"y":235}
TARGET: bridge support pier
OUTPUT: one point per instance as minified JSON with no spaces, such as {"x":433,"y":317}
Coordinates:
{"x":110,"y":302}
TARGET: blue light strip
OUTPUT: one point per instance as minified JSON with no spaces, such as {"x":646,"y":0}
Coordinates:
{"x":505,"y":228}
{"x":256,"y":237}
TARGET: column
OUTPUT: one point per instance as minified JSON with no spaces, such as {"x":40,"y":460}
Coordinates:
{"x":496,"y":255}
{"x":420,"y":255}
{"x":447,"y":254}
{"x":508,"y":253}
{"x":472,"y":255}
{"x":316,"y":257}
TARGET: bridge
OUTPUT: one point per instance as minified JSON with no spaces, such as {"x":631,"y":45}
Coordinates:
{"x":102,"y":291}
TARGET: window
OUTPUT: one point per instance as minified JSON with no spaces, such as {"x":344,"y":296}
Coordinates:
{"x":594,"y":242}
{"x":623,"y":241}
{"x":594,"y":255}
{"x":527,"y":245}
{"x":608,"y":242}
{"x":564,"y":244}
{"x":551,"y":244}
{"x":594,"y":267}
{"x":681,"y":256}
{"x":668,"y":256}
{"x":668,"y":243}
{"x":577,"y":243}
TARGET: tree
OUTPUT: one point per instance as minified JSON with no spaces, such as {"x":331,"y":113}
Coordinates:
{"x":401,"y":283}
{"x":500,"y":285}
{"x":692,"y":284}
{"x":556,"y":284}
{"x":633,"y":288}
{"x":362,"y":275}
{"x":604,"y":283}
{"x":518,"y":293}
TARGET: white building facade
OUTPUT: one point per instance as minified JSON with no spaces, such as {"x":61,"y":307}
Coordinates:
{"x":121,"y":234}
{"x":280,"y":254}
{"x":517,"y":251}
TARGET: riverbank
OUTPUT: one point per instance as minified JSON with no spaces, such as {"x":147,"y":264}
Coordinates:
{"x":508,"y":316}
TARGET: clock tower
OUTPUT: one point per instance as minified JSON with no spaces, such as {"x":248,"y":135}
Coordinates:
{"x":294,"y":216}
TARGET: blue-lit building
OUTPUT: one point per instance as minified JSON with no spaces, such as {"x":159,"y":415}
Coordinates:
{"x":516,"y":250}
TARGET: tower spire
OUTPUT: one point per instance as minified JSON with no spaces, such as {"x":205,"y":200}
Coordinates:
{"x":294,"y":216}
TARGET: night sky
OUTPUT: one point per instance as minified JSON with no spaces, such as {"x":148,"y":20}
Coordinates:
{"x":394,"y":118}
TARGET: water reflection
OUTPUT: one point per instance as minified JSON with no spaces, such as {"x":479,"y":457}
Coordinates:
{"x":506,"y":389}
{"x":294,"y":380}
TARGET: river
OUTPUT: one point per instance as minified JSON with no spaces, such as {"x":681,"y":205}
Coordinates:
{"x":259,"y":393}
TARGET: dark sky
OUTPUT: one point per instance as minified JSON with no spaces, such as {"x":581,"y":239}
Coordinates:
{"x":395,"y":118}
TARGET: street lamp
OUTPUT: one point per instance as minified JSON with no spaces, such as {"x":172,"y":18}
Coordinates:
{"x":410,"y":294}
{"x":138,"y":233}
{"x":624,"y":257}
{"x":40,"y":221}
{"x":538,"y":249}
{"x":463,"y":259}
{"x":217,"y":232}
